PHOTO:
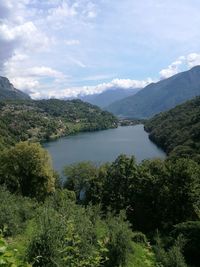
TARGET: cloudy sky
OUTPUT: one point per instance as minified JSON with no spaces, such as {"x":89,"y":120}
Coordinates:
{"x":58,"y":48}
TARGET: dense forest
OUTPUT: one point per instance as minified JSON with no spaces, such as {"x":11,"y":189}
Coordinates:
{"x":44,"y":224}
{"x":48,"y":119}
{"x":116,"y":214}
{"x":177,"y":131}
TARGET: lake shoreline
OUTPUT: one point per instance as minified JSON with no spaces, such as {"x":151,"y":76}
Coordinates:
{"x":103,"y":146}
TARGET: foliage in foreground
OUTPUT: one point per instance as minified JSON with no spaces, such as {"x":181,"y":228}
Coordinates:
{"x":26,"y":169}
{"x":155,"y":194}
{"x":8,"y":256}
{"x":83,"y":225}
{"x":70,"y":235}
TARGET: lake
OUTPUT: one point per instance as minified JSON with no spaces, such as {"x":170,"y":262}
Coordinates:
{"x":103,"y":146}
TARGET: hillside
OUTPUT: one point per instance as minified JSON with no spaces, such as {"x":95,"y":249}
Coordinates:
{"x":161,"y":96}
{"x":107,"y":97}
{"x":48,"y":119}
{"x":178,"y":131}
{"x":7,"y":91}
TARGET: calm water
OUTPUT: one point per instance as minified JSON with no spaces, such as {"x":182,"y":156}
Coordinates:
{"x":103,"y":146}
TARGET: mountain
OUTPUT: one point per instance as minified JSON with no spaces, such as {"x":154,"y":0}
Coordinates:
{"x":7,"y":91}
{"x":177,"y":131}
{"x":160,"y":96}
{"x":107,"y":97}
{"x":42,"y":120}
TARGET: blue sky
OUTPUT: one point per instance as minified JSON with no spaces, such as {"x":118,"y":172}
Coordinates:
{"x":55,"y":48}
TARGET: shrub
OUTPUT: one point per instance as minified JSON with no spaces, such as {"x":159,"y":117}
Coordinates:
{"x":14,"y":212}
{"x":9,"y":257}
{"x":171,"y":257}
{"x":191,"y":232}
{"x":26,"y":169}
{"x":119,"y":243}
{"x":139,"y":237}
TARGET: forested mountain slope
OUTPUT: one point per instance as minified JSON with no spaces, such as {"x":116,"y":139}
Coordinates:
{"x":7,"y":91}
{"x":160,"y":96}
{"x":48,"y":119}
{"x":177,"y":131}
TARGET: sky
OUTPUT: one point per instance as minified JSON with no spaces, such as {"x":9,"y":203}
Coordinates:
{"x":66,"y":48}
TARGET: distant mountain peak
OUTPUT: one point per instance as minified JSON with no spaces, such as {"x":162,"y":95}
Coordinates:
{"x":160,"y":96}
{"x":109,"y":96}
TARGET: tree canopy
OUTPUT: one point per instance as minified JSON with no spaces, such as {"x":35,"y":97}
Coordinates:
{"x":26,"y":169}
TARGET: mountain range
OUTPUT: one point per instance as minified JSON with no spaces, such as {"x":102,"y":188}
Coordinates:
{"x":109,"y":96}
{"x":7,"y":91}
{"x":160,"y":96}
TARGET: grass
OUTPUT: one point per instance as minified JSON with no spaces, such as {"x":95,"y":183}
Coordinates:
{"x":142,"y":257}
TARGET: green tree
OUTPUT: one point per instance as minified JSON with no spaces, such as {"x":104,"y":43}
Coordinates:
{"x":120,"y":177}
{"x":26,"y":169}
{"x":78,"y":177}
{"x":191,"y":232}
{"x":119,"y":242}
{"x":172,"y":256}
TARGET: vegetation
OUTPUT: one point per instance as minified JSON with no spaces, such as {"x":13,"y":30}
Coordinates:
{"x":48,"y":119}
{"x":119,"y":214}
{"x":26,"y":169}
{"x":58,"y":232}
{"x":155,"y":194}
{"x":44,"y":225}
{"x":8,"y":256}
{"x":178,"y":131}
{"x":128,"y":122}
{"x":96,"y":218}
{"x":146,"y":191}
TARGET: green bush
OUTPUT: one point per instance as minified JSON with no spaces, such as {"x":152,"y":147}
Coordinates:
{"x":15,"y":211}
{"x":139,"y":237}
{"x":26,"y":169}
{"x":191,"y":232}
{"x":172,"y":256}
{"x":119,"y":243}
{"x":8,"y":256}
{"x":43,"y":249}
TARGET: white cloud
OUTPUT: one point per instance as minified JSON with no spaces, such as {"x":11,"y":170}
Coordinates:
{"x":43,"y":71}
{"x":188,"y":61}
{"x":92,"y":14}
{"x":72,"y":42}
{"x":17,"y":66}
{"x":89,"y":90}
{"x":77,"y":62}
{"x":171,"y":70}
{"x":128,"y":83}
{"x":26,"y":84}
{"x":31,"y":78}
{"x":63,"y":11}
{"x":193,"y":59}
{"x":26,"y":36}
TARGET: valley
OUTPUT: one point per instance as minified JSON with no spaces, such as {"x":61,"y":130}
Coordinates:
{"x":80,"y":187}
